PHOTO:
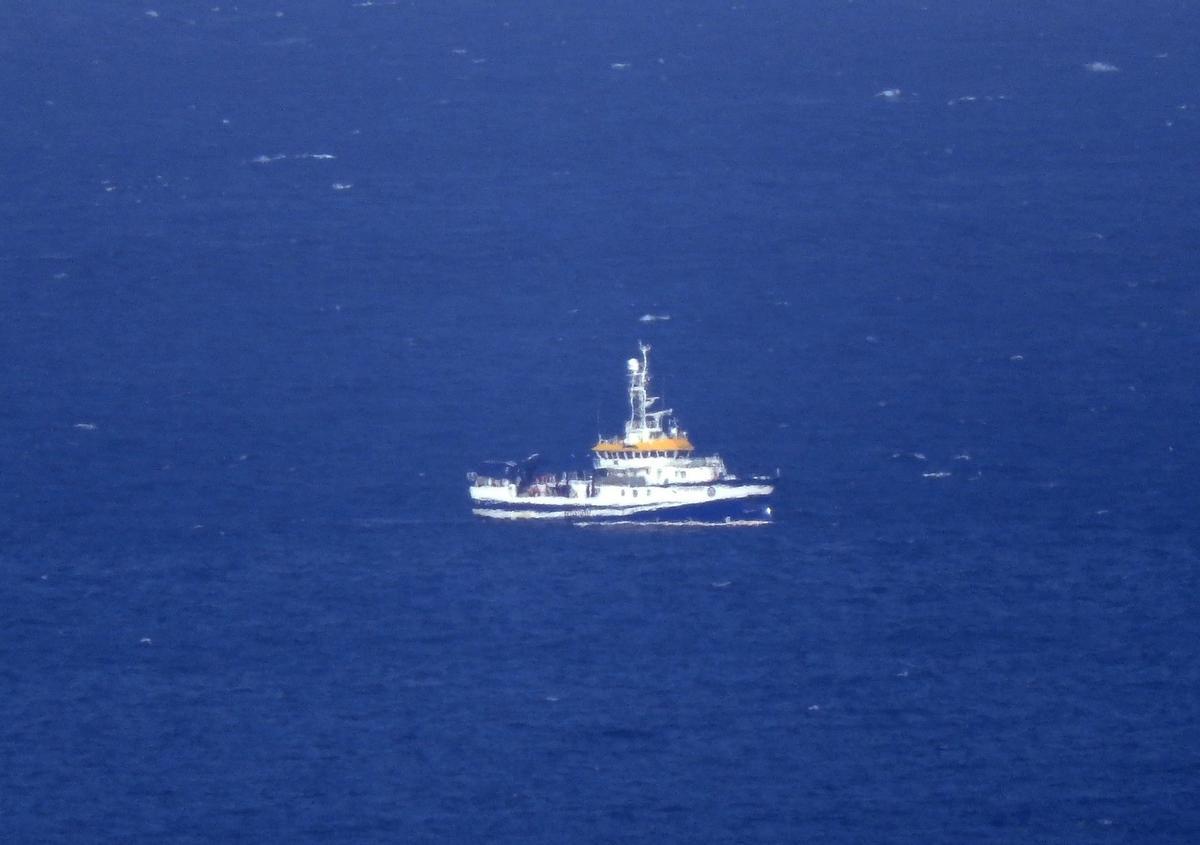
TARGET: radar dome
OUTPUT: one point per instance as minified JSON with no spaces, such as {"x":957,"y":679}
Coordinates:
{"x":633,"y":365}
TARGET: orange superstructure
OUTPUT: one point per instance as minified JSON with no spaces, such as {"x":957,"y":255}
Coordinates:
{"x":658,"y":444}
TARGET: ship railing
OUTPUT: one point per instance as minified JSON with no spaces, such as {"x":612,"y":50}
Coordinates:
{"x":557,"y":479}
{"x":684,"y":463}
{"x":485,"y":481}
{"x":554,"y":488}
{"x":708,"y":461}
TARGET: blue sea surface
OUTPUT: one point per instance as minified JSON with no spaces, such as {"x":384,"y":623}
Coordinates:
{"x":273,"y":276}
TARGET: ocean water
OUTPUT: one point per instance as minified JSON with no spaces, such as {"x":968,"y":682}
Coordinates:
{"x":274,"y":276}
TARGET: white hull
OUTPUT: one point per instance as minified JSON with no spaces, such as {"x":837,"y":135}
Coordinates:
{"x":717,"y":501}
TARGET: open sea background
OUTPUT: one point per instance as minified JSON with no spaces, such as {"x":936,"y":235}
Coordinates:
{"x":275,"y":275}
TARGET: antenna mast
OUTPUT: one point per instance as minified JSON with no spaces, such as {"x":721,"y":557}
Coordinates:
{"x":642,"y":424}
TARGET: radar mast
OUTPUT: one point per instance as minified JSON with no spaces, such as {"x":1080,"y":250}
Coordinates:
{"x":643,"y":424}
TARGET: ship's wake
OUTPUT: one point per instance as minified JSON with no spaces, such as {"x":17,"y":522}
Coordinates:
{"x":677,"y":523}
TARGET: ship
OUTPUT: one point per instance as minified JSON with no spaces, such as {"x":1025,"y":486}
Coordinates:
{"x":651,"y":473}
